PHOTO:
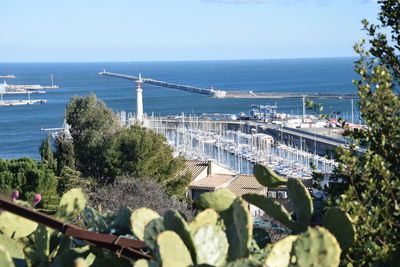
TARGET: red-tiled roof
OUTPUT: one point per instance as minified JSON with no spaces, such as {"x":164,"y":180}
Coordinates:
{"x":193,"y":166}
{"x":212,"y":182}
{"x":246,"y":183}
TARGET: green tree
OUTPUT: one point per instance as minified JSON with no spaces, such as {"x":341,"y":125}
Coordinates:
{"x":69,"y":179}
{"x":45,"y":150}
{"x":371,"y":167}
{"x":64,"y":153}
{"x":142,"y":153}
{"x":91,"y":126}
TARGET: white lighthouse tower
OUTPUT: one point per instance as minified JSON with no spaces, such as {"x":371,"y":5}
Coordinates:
{"x":139,"y":100}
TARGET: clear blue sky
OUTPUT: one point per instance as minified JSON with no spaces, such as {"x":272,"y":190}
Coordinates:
{"x":158,"y":30}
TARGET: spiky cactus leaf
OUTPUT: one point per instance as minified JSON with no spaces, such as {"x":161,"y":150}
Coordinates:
{"x":94,"y":220}
{"x":211,"y":245}
{"x":174,"y":221}
{"x":172,"y":252}
{"x":122,"y":221}
{"x":340,"y":225}
{"x":244,"y":263}
{"x":145,"y":263}
{"x":272,"y":208}
{"x":302,"y":203}
{"x":42,"y":242}
{"x":207,"y":216}
{"x":151,"y":231}
{"x":16,"y":226}
{"x":71,"y":204}
{"x":240,"y":232}
{"x":140,"y":218}
{"x":261,"y":236}
{"x":280,"y":253}
{"x":315,"y":247}
{"x":68,"y":257}
{"x":15,"y":250}
{"x":5,"y":258}
{"x":267,"y":177}
{"x":219,"y":200}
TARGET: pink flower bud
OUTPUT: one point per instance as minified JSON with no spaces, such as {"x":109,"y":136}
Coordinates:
{"x":15,"y":195}
{"x":36,"y":199}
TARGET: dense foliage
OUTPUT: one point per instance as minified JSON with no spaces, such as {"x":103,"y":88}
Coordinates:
{"x":370,"y":170}
{"x":30,"y":177}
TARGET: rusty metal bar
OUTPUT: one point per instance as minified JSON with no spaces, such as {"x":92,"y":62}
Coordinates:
{"x":121,"y":246}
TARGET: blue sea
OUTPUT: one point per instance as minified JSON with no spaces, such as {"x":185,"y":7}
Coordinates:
{"x":20,"y":126}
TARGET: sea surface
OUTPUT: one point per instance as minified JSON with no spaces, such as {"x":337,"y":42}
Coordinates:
{"x":20,"y":126}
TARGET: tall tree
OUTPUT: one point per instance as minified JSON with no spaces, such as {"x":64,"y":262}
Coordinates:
{"x":64,"y":153}
{"x":372,"y":173}
{"x":91,"y":126}
{"x":45,"y":150}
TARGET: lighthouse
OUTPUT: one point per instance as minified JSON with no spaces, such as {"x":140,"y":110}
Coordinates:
{"x":139,"y":100}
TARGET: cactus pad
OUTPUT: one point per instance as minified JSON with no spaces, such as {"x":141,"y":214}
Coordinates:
{"x":140,"y":218}
{"x":145,"y":263}
{"x":15,"y":226}
{"x":272,"y":208}
{"x":211,"y":245}
{"x":172,"y":251}
{"x":316,"y":247}
{"x":244,"y":263}
{"x":173,"y":221}
{"x":14,"y":248}
{"x":5,"y":258}
{"x":71,"y":204}
{"x":122,"y":221}
{"x":219,"y":200}
{"x":302,"y":203}
{"x":267,"y":177}
{"x":208,"y":216}
{"x":280,"y":253}
{"x":340,"y":225}
{"x":240,"y":232}
{"x":152,"y":230}
{"x":94,"y":220}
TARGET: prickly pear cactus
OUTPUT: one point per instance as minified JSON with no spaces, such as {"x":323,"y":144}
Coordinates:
{"x":340,"y":225}
{"x":173,"y":221}
{"x":145,"y":263}
{"x":211,"y":245}
{"x":5,"y":258}
{"x":219,"y":200}
{"x":316,"y":247}
{"x":208,"y":216}
{"x":122,"y":221}
{"x":15,"y":226}
{"x":172,"y":252}
{"x":244,"y":263}
{"x":240,"y":232}
{"x":272,"y":208}
{"x":302,"y":203}
{"x":140,"y":218}
{"x":280,"y":253}
{"x":14,"y":248}
{"x":94,"y":220}
{"x":71,"y":204}
{"x":267,"y":177}
{"x":151,"y":231}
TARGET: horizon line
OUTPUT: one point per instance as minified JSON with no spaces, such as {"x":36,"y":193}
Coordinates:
{"x":179,"y":60}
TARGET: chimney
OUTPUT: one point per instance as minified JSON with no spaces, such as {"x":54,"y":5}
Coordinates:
{"x":209,"y":171}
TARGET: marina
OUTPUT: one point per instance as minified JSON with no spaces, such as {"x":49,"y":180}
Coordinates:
{"x":9,"y":76}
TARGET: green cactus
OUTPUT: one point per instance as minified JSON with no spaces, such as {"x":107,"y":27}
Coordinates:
{"x":42,"y":243}
{"x":68,"y":257}
{"x":151,"y":231}
{"x":71,"y":204}
{"x":267,"y":177}
{"x":261,"y":237}
{"x":302,"y":203}
{"x":244,"y":263}
{"x":240,"y":232}
{"x":211,"y":245}
{"x":15,"y":226}
{"x":272,"y":208}
{"x":140,"y":218}
{"x":280,"y":253}
{"x":15,"y":250}
{"x":219,"y":200}
{"x":207,"y":216}
{"x":172,"y":252}
{"x":122,"y":221}
{"x":145,"y":263}
{"x":94,"y":220}
{"x":340,"y":225}
{"x":5,"y":258}
{"x":173,"y":221}
{"x":316,"y":247}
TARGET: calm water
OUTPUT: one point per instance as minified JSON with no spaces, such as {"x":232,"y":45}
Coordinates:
{"x":20,"y":133}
